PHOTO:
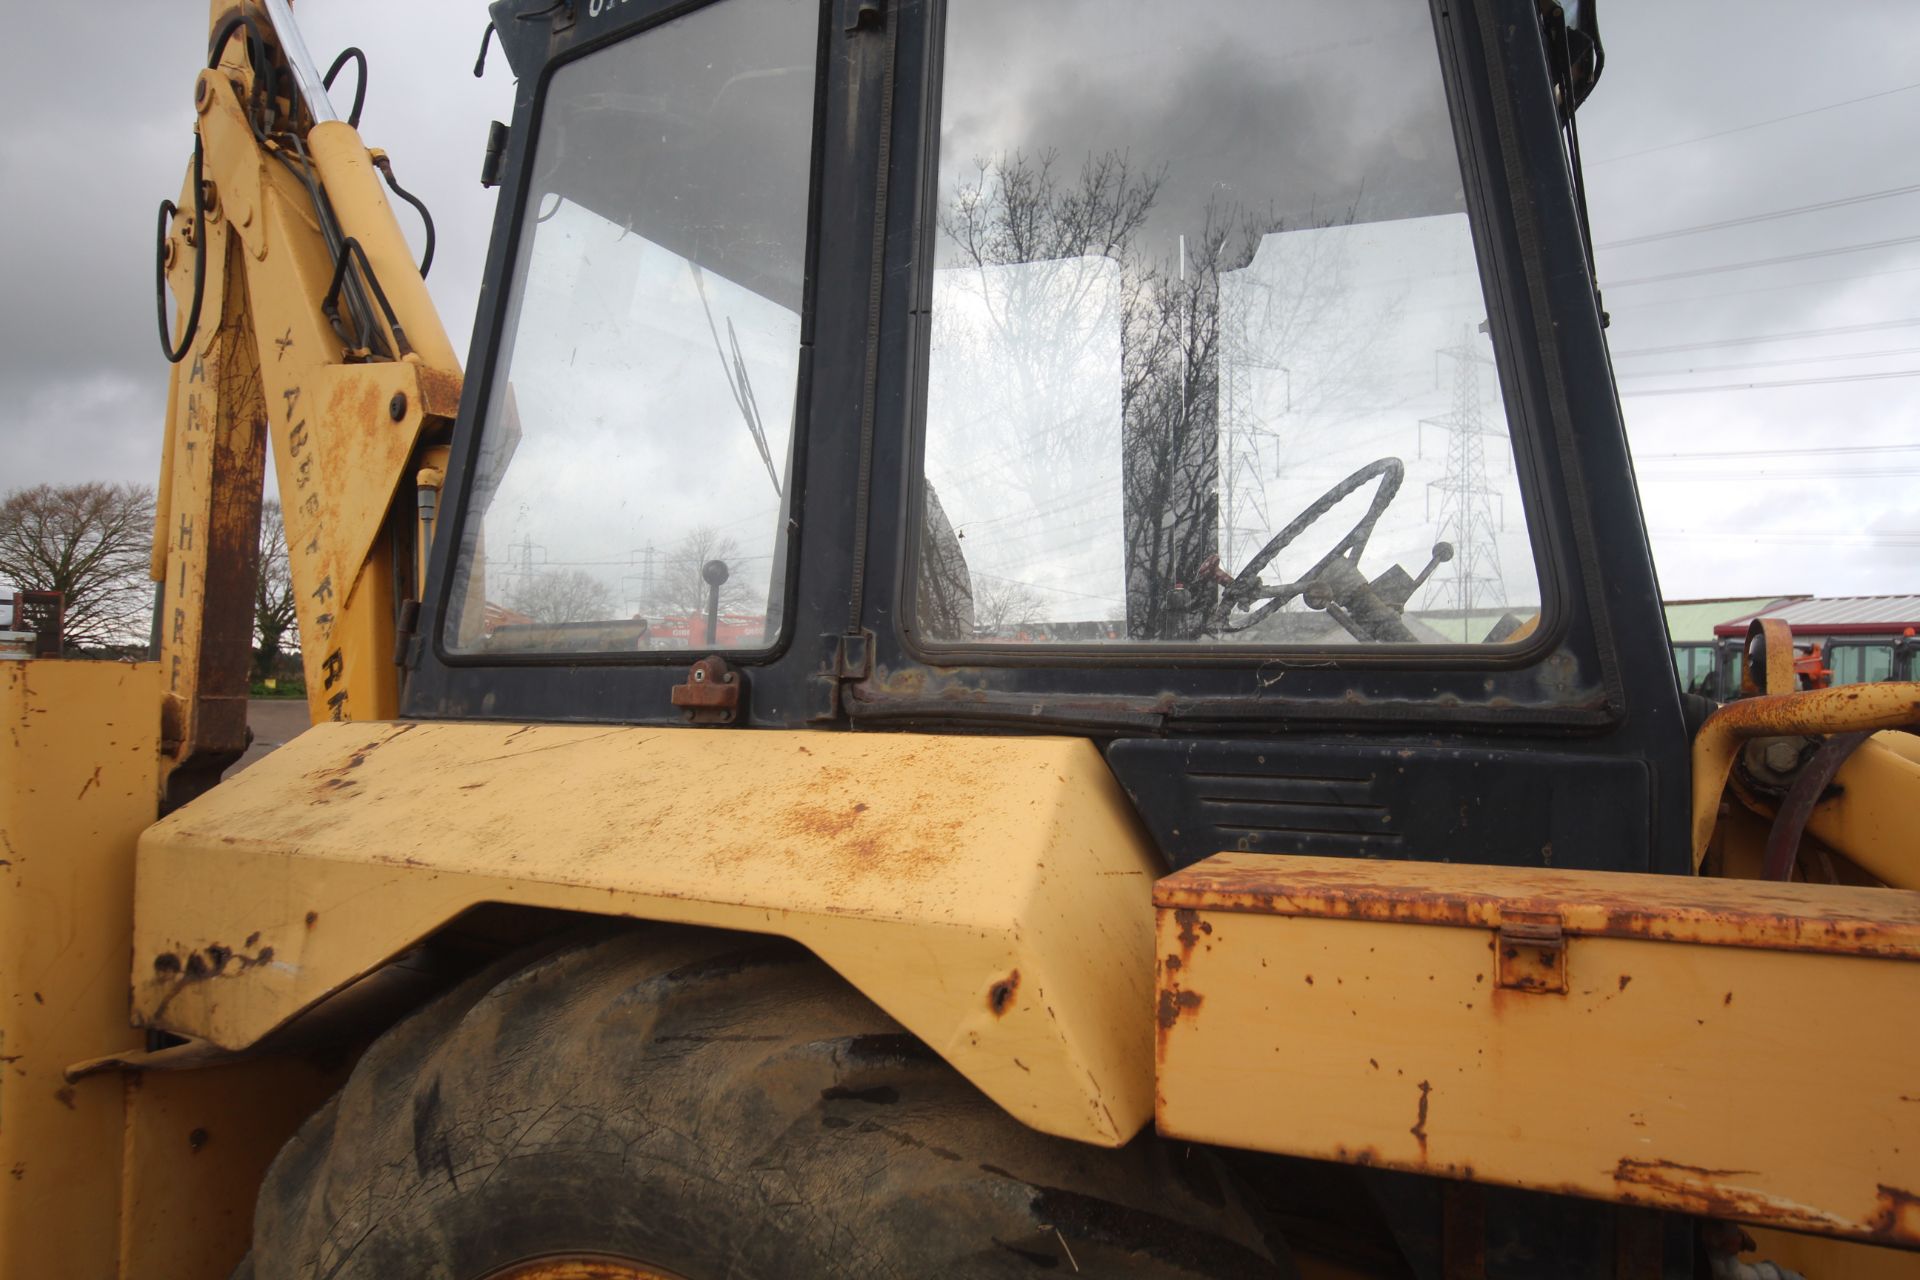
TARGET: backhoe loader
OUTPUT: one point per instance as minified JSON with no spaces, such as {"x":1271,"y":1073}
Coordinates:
{"x":1027,"y":645}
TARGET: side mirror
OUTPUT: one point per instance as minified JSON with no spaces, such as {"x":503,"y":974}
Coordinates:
{"x":1573,"y":38}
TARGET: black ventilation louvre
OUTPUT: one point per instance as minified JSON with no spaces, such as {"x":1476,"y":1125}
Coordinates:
{"x":1420,"y":800}
{"x":1330,"y":810}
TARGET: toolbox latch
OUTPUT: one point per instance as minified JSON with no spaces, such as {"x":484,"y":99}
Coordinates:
{"x":1530,"y":953}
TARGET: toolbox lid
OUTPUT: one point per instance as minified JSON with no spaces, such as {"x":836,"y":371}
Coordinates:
{"x":1769,"y":915}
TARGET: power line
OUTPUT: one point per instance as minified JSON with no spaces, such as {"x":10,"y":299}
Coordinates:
{"x":1715,"y":455}
{"x":1750,"y":477}
{"x":1751,"y":218}
{"x":1774,"y":364}
{"x":1652,"y":303}
{"x":1808,"y":256}
{"x":1757,"y":124}
{"x":1756,"y":339}
{"x":1886,"y":538}
{"x":1041,"y":586}
{"x":1767,"y":386}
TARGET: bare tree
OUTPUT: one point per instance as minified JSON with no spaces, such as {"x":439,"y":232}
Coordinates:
{"x":681,"y":588}
{"x":276,"y":628}
{"x":562,"y":595}
{"x":1033,"y":332}
{"x":1083,"y":277}
{"x":1001,"y":604}
{"x":90,"y":542}
{"x":944,"y":602}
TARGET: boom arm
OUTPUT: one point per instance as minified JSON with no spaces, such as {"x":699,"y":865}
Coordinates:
{"x":304,"y":325}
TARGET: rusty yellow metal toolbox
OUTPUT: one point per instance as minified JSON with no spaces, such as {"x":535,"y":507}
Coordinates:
{"x":1737,"y":1049}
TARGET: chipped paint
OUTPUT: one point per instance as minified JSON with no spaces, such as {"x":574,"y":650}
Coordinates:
{"x":1020,"y":949}
{"x":1797,"y":917}
{"x":1367,"y":999}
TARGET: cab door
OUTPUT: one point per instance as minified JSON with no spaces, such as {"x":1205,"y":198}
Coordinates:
{"x":657,"y":445}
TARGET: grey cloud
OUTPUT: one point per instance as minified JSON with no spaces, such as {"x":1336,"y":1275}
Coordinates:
{"x":98,"y":120}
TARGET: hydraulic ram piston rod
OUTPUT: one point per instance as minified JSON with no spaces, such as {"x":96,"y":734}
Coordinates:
{"x":305,"y":75}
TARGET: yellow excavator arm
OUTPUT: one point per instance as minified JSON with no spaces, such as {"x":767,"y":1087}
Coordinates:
{"x":303,"y":326}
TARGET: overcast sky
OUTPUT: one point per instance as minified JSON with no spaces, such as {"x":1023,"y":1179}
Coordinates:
{"x":1707,"y":114}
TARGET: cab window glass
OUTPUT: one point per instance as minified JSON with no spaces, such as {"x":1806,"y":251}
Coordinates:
{"x":1209,"y":355}
{"x":1876,"y":662}
{"x":633,"y":477}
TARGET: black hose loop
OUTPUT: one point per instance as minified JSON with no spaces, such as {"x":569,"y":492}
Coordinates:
{"x":480,"y":63}
{"x":167,"y":209}
{"x":353,"y":54}
{"x":330,"y":305}
{"x":386,"y":171}
{"x":257,"y":56}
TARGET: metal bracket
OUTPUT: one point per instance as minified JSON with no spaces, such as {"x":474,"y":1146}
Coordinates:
{"x":711,"y":694}
{"x":1530,"y":953}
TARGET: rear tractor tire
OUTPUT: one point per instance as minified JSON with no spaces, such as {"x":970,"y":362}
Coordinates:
{"x":658,"y":1102}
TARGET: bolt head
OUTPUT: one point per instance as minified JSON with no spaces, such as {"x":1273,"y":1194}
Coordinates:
{"x":397,"y":407}
{"x":1782,"y":757}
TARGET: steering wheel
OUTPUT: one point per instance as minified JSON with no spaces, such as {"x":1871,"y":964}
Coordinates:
{"x":1246,"y":587}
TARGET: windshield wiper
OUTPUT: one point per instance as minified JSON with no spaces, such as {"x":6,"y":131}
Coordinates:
{"x":735,"y":372}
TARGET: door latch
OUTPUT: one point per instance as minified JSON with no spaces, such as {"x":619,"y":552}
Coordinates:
{"x":711,"y":694}
{"x":1530,"y":953}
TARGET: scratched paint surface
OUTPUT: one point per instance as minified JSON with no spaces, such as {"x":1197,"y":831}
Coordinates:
{"x":1728,"y":1065}
{"x":993,"y":895}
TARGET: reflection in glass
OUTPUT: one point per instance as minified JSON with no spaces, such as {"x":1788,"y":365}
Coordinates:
{"x":641,"y":423}
{"x":1209,"y":354}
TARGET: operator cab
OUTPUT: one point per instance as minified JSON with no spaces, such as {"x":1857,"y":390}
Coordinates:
{"x":1224,"y":384}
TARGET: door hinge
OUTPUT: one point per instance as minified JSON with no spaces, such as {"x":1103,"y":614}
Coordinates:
{"x":405,"y":633}
{"x":1530,"y":953}
{"x":843,"y":657}
{"x":495,"y":157}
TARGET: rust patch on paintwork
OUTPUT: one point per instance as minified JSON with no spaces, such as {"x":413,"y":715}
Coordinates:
{"x":1783,"y":715}
{"x":1898,"y":1217}
{"x":1703,"y":1191}
{"x":1174,"y":1003}
{"x":1419,"y":1130}
{"x":439,"y":392}
{"x":214,"y":961}
{"x":64,"y":1095}
{"x":823,"y":821}
{"x":1781,"y":917}
{"x":1000,"y":995}
{"x":337,"y":777}
{"x":1651,"y":1171}
{"x":1191,"y":927}
{"x":1694,"y":1189}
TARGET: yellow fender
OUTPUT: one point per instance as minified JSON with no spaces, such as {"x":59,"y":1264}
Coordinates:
{"x":993,"y":895}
